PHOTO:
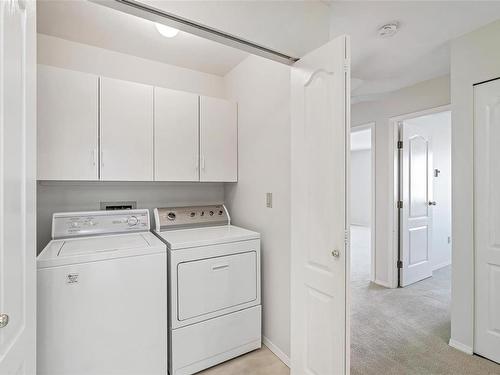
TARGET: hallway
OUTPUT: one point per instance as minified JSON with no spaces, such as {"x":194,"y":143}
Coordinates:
{"x":406,"y":330}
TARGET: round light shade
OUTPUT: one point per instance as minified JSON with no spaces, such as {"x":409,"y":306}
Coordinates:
{"x":166,"y":31}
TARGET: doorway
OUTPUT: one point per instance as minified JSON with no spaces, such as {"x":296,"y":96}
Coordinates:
{"x":424,"y":195}
{"x":362,"y":203}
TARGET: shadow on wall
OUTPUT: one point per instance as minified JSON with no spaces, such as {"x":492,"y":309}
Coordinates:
{"x":65,"y":196}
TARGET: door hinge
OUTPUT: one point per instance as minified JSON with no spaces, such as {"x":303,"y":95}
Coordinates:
{"x":346,"y":237}
{"x":400,"y":264}
{"x":400,"y":145}
{"x":347,"y":65}
{"x":400,"y":204}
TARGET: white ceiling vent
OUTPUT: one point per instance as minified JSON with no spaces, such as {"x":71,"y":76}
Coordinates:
{"x":388,"y":30}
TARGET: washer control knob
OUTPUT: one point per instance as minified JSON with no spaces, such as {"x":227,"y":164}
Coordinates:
{"x":211,"y":213}
{"x":4,"y":320}
{"x":220,"y":212}
{"x":132,"y":220}
{"x":192,"y":214}
{"x":171,"y":216}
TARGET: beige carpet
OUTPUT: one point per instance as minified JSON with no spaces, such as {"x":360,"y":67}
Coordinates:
{"x":406,"y":331}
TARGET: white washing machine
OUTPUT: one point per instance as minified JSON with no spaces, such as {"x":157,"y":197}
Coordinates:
{"x":102,"y":296}
{"x":214,"y":287}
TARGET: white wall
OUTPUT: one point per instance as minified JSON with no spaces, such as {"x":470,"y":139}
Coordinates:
{"x":361,"y":195}
{"x":424,"y":95}
{"x":262,"y":89}
{"x":475,"y":58}
{"x":83,"y":57}
{"x":65,"y":196}
{"x":439,"y":126}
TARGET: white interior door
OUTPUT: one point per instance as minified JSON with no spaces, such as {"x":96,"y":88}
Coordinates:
{"x":416,"y":214}
{"x":320,"y":121}
{"x":487,"y":219}
{"x":17,"y":186}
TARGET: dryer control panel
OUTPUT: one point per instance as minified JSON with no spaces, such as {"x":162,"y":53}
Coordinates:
{"x":77,"y":224}
{"x":190,"y":217}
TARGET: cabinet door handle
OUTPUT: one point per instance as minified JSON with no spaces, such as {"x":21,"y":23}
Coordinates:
{"x":94,"y":157}
{"x":102,"y":158}
{"x":202,"y":163}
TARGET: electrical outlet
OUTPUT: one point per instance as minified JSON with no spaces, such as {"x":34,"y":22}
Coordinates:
{"x":269,"y":200}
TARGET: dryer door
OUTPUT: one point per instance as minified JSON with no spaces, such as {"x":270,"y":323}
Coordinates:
{"x":210,"y":285}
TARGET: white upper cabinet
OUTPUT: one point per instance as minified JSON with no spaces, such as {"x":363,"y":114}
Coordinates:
{"x":97,"y":128}
{"x":67,"y":128}
{"x":126,"y":131}
{"x":176,"y":135}
{"x":218,"y":140}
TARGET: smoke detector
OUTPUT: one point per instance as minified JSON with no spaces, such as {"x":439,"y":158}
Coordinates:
{"x":388,"y":30}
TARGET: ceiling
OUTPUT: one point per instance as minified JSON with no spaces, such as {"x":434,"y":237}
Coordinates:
{"x":292,"y":27}
{"x":90,"y":23}
{"x":418,"y":52}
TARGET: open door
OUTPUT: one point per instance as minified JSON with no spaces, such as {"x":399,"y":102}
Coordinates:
{"x":416,"y":212}
{"x":320,"y":134}
{"x":487,"y":219}
{"x":17,"y":186}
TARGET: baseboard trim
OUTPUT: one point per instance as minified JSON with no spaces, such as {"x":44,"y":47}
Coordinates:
{"x":382,"y":283}
{"x":441,"y":265}
{"x":277,"y":351}
{"x":462,"y":347}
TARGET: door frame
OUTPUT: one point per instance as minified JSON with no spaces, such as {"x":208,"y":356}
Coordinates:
{"x":394,"y":173}
{"x":373,"y":188}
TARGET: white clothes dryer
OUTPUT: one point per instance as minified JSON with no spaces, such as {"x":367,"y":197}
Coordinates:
{"x":214,"y":287}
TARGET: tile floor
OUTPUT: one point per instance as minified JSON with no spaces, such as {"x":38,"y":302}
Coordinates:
{"x":258,"y":362}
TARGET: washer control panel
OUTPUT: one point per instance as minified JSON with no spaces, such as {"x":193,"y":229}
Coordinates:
{"x":76,"y":224}
{"x":190,"y":216}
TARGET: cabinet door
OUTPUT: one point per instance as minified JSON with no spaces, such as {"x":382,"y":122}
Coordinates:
{"x":67,"y":124}
{"x":218,"y":140}
{"x":126,"y":131}
{"x":176,"y":135}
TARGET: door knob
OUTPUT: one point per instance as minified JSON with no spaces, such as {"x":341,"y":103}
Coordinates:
{"x":432,"y":203}
{"x":4,"y":320}
{"x":336,"y":253}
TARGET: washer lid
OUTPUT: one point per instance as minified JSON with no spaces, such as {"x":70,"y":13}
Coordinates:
{"x":98,"y":244}
{"x":194,"y":237}
{"x":95,"y":248}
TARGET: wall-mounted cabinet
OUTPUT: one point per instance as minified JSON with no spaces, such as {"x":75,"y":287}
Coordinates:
{"x":176,"y":136}
{"x":126,"y":112}
{"x":67,"y":125}
{"x":92,"y":128}
{"x":218,"y":140}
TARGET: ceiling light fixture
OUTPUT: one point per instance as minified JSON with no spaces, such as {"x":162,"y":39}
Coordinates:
{"x":388,"y":30}
{"x":166,"y":31}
